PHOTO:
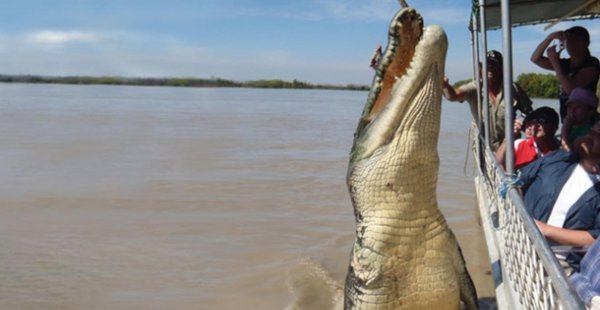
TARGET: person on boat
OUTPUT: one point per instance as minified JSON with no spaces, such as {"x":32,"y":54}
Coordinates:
{"x":468,"y":92}
{"x":580,"y":70}
{"x":543,"y":123}
{"x":527,"y":126}
{"x":580,"y":116}
{"x":561,"y":191}
{"x":586,"y":282}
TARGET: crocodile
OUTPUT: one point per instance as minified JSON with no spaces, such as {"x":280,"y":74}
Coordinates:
{"x":404,"y":256}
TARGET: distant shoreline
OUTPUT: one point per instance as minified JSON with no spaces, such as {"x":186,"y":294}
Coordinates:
{"x":173,"y":82}
{"x":536,"y":85}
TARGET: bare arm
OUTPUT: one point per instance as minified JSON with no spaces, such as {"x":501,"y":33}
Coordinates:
{"x":501,"y":154}
{"x":501,"y":151}
{"x":554,"y":59}
{"x":451,"y":93}
{"x":566,"y":236}
{"x":538,"y":57}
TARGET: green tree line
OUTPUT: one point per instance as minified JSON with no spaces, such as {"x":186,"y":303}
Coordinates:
{"x":536,"y":85}
{"x":539,"y":85}
{"x":177,"y":82}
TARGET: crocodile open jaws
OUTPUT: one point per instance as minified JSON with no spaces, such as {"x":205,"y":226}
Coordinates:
{"x":405,"y":256}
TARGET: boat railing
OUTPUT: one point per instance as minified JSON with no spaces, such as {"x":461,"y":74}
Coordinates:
{"x":526,"y":273}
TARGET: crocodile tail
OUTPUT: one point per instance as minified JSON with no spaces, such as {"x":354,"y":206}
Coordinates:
{"x":468,"y":293}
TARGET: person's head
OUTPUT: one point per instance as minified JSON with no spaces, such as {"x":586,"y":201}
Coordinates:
{"x":494,"y":64}
{"x":543,"y":122}
{"x":581,"y":106}
{"x":588,"y":146}
{"x":577,"y":40}
{"x":528,"y":127}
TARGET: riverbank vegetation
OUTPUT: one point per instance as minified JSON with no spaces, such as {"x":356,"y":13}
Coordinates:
{"x":539,"y":85}
{"x":178,"y":82}
{"x":536,"y":85}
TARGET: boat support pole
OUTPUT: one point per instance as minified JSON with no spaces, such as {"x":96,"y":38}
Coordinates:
{"x":486,"y":97}
{"x":508,"y":81}
{"x":476,"y":68}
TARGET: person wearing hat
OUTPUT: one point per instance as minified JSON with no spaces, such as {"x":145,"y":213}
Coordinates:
{"x":580,"y":70}
{"x":468,"y":92}
{"x":543,"y":123}
{"x":580,"y":116}
{"x":561,"y":191}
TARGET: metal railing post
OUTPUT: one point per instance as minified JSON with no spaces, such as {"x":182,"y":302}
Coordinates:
{"x":477,"y":79}
{"x":486,"y":98}
{"x":476,"y":68}
{"x":508,"y":82}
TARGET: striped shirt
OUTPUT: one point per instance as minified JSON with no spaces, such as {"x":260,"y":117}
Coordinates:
{"x":587,"y":281}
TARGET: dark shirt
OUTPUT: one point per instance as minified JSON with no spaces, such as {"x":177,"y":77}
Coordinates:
{"x":542,"y":181}
{"x":587,"y":282}
{"x":565,"y":64}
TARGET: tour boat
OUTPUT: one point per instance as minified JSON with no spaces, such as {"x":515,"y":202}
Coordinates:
{"x":526,"y":273}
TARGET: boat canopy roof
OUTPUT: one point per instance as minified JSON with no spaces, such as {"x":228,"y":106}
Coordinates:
{"x":531,"y":12}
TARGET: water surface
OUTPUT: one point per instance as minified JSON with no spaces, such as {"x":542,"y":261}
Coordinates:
{"x":189,"y":198}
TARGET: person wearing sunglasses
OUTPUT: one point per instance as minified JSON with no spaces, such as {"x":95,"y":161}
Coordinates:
{"x":542,"y":124}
